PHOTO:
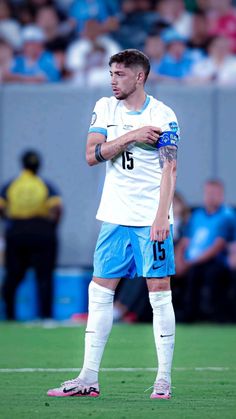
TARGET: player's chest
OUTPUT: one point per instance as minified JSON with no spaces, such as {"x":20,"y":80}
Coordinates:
{"x":121,"y":122}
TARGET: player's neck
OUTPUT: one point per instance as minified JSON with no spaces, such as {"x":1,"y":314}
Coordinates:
{"x":135,"y":101}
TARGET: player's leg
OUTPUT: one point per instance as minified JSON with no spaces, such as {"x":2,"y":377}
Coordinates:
{"x":99,"y":324}
{"x":156,"y":262}
{"x":164,"y":333}
{"x":112,"y":260}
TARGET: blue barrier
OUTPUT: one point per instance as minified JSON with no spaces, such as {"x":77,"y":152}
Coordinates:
{"x":70,"y":292}
{"x":26,"y":301}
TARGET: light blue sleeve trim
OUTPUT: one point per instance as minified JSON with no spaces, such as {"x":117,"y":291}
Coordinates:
{"x":102,"y":131}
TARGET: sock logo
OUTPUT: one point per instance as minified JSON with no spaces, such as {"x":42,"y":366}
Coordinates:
{"x":165,"y":336}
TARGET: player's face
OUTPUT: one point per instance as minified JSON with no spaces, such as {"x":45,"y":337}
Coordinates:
{"x":124,"y":80}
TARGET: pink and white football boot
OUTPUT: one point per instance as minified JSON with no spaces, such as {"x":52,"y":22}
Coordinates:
{"x":75,"y":387}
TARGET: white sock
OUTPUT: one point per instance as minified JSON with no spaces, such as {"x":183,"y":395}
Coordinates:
{"x":164,"y":331}
{"x":98,"y":328}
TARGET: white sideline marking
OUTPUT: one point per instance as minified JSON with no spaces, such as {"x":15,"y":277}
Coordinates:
{"x":9,"y":370}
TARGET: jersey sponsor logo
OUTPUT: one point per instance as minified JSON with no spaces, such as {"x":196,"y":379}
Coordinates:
{"x":128,"y":127}
{"x":93,"y":119}
{"x":112,"y":125}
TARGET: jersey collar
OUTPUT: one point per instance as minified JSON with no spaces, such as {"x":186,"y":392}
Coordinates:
{"x":146,"y":103}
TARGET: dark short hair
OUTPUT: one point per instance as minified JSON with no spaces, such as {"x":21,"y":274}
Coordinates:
{"x":132,"y":58}
{"x":31,"y":160}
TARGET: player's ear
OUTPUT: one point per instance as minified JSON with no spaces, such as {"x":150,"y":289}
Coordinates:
{"x":140,"y":76}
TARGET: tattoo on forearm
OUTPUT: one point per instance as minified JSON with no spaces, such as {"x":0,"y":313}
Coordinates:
{"x":168,"y":153}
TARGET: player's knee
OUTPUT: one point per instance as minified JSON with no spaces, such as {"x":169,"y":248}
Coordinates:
{"x":100,"y":295}
{"x":159,"y":298}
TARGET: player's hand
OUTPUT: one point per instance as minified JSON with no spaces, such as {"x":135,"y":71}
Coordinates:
{"x":160,"y":229}
{"x":147,"y":135}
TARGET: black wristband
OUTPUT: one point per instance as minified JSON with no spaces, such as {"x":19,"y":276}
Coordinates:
{"x":98,"y":155}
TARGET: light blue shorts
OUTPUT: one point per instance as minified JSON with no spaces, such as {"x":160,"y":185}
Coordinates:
{"x":124,"y":252}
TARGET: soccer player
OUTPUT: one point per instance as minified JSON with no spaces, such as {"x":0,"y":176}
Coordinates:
{"x":137,"y":136}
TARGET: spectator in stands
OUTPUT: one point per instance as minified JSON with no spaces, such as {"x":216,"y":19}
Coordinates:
{"x":9,"y":28}
{"x":100,"y":11}
{"x":35,"y":64}
{"x":222,"y":21}
{"x":57,"y":34}
{"x":154,"y":48}
{"x":219,"y":66}
{"x":200,"y":36}
{"x":174,"y":12}
{"x":6,"y":58}
{"x":24,"y":14}
{"x":181,"y":216}
{"x":86,"y":60}
{"x":178,"y":60}
{"x":136,"y":20}
{"x":201,"y":257}
{"x":32,"y":208}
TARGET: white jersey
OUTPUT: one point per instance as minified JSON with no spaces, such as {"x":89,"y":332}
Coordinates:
{"x":132,"y":185}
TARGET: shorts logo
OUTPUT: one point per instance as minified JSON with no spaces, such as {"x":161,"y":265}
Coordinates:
{"x":94,"y":118}
{"x":157,"y":267}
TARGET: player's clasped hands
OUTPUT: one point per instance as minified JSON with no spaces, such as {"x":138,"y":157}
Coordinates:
{"x":147,"y":134}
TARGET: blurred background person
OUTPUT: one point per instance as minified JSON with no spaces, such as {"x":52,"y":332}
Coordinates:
{"x":34,"y":64}
{"x":6,"y":58}
{"x":201,"y":257}
{"x":86,"y":59}
{"x":174,"y":12}
{"x":219,"y":66}
{"x":178,"y":59}
{"x":10,"y":28}
{"x":222,"y":21}
{"x":101,"y":12}
{"x":182,"y":212}
{"x":199,"y":35}
{"x":154,"y":48}
{"x":31,"y":208}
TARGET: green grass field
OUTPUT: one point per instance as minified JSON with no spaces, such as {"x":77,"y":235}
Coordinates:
{"x":200,"y":390}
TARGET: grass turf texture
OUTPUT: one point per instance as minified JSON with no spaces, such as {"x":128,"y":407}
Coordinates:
{"x":197,"y":393}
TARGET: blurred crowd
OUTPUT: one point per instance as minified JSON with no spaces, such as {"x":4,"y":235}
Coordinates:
{"x":191,"y":41}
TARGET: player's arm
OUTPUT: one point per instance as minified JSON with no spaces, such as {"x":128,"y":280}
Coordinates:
{"x":168,"y":162}
{"x":98,"y":150}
